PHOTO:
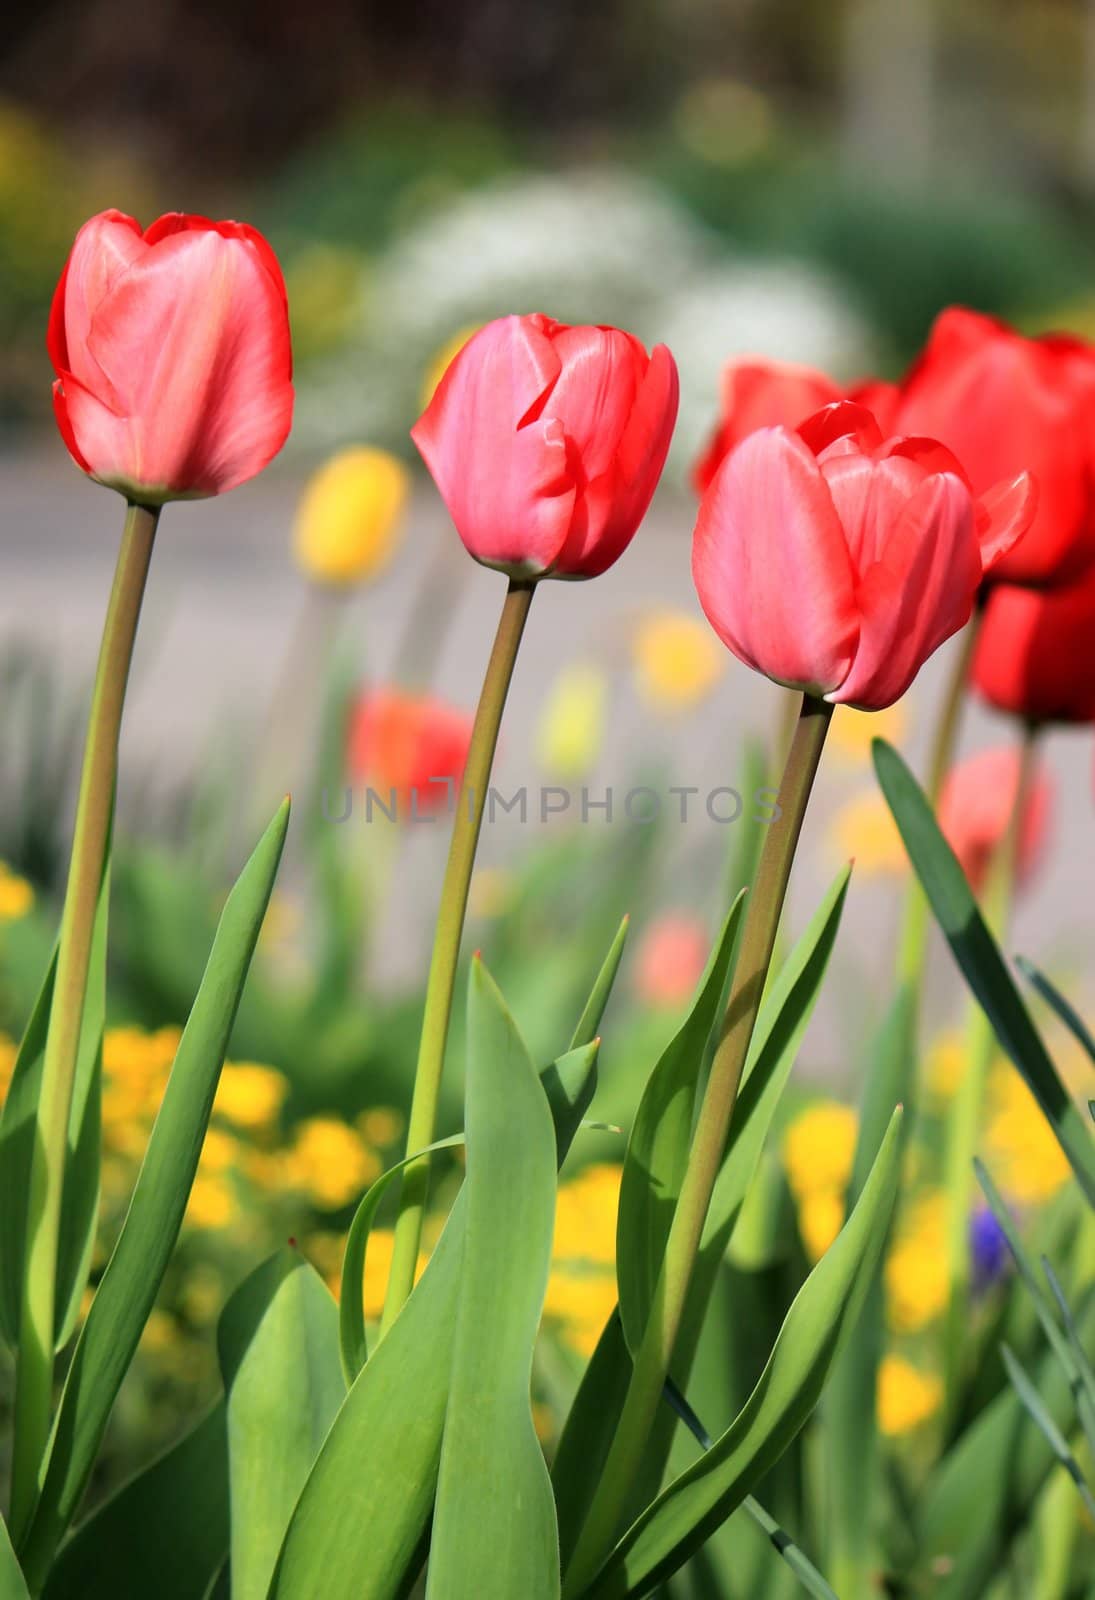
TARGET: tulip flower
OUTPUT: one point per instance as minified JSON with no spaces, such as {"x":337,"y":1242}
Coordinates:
{"x":411,"y":746}
{"x":1005,"y":404}
{"x":836,"y":562}
{"x":547,"y":442}
{"x":1034,"y":654}
{"x":670,"y":959}
{"x":171,"y":349}
{"x":761,"y":394}
{"x":976,"y":808}
{"x":349,"y":520}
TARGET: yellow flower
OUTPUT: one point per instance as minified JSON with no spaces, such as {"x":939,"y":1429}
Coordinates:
{"x":946,"y":1064}
{"x":865,"y":830}
{"x":443,"y":359}
{"x":330,"y":1162}
{"x":851,"y":732}
{"x":212,"y":1202}
{"x":820,"y":1218}
{"x":906,"y":1395}
{"x":571,"y":729}
{"x":917,"y":1272}
{"x":677,"y":661}
{"x":249,"y":1095}
{"x":581,"y":1302}
{"x":1026,"y":1161}
{"x":350,"y":516}
{"x":819,"y":1147}
{"x":585,"y":1216}
{"x":220,"y":1152}
{"x":16,"y":895}
{"x":381,"y":1126}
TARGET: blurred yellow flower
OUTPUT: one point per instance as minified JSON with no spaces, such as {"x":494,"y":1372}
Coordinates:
{"x":864,"y":830}
{"x":330,"y":1162}
{"x":850,"y":732}
{"x":249,"y":1095}
{"x":820,"y":1218}
{"x":581,"y":1302}
{"x":571,"y":728}
{"x":1025,"y":1159}
{"x":945,"y":1064}
{"x":443,"y":359}
{"x":906,"y":1395}
{"x":220,"y":1151}
{"x":819,"y":1147}
{"x":381,"y":1126}
{"x":16,"y":895}
{"x":917,"y":1273}
{"x":585,"y":1215}
{"x":350,"y":516}
{"x":677,"y":661}
{"x":212,"y":1202}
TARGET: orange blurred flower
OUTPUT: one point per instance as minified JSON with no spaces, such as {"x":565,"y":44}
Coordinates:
{"x":406,"y":745}
{"x":671,"y":959}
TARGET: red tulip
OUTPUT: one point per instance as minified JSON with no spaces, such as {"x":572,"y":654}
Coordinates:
{"x":836,"y":562}
{"x":411,"y":745}
{"x":1006,"y":404}
{"x":171,"y":348}
{"x":670,"y":960}
{"x":976,"y":807}
{"x":547,"y":442}
{"x":1035,"y":653}
{"x":761,"y":394}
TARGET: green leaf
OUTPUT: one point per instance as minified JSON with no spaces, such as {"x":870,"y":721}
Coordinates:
{"x":80,"y":1198}
{"x":590,"y":1020}
{"x":278,"y":1346}
{"x":13,"y":1586}
{"x":976,"y":952}
{"x":359,"y":1524}
{"x":129,"y":1285}
{"x":494,"y":1528}
{"x":1044,"y":1422}
{"x":164,"y":1533}
{"x":1056,"y":1000}
{"x":657,"y":1151}
{"x":587,"y":1435}
{"x":352,"y":1341}
{"x":695,"y":1503}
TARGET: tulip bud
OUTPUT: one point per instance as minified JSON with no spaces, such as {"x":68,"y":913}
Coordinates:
{"x":836,"y":562}
{"x":1034,"y":655}
{"x":975,"y":812}
{"x":410,"y":746}
{"x":349,"y":520}
{"x":1007,"y":404}
{"x":172,"y":354}
{"x":547,"y":442}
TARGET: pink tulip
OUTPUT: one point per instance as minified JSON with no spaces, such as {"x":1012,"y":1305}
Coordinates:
{"x":976,"y":806}
{"x":172,"y":354}
{"x":670,"y":959}
{"x":547,"y":442}
{"x":836,"y":562}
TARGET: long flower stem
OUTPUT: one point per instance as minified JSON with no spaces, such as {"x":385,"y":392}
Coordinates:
{"x":34,"y":1371}
{"x":964,"y":1120}
{"x":446,"y":945}
{"x":912,"y":946}
{"x":757,"y":943}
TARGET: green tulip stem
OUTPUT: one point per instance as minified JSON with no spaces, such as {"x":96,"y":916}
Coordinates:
{"x":652,"y":1362}
{"x":446,"y":946}
{"x":34,"y":1371}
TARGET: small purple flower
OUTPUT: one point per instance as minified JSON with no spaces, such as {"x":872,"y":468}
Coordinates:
{"x":989,"y":1249}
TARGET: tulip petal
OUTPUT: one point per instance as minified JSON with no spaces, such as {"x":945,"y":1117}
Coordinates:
{"x":1004,"y":513}
{"x":498,"y":457}
{"x":600,"y":373}
{"x":916,"y":595}
{"x":843,"y":424}
{"x":771,"y":566}
{"x":195,"y":344}
{"x":610,"y":510}
{"x":869,"y":495}
{"x":105,"y":248}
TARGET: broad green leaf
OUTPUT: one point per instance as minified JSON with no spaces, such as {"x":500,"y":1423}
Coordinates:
{"x":80,"y":1198}
{"x":494,"y":1528}
{"x":976,"y":952}
{"x":590,"y":1020}
{"x":848,"y":1412}
{"x":1055,"y":999}
{"x":13,"y":1586}
{"x":784,"y":1015}
{"x":696,"y":1502}
{"x":164,"y":1533}
{"x":278,"y":1346}
{"x":657,"y":1151}
{"x":359,"y":1524}
{"x":129,"y":1285}
{"x":353,"y":1344}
